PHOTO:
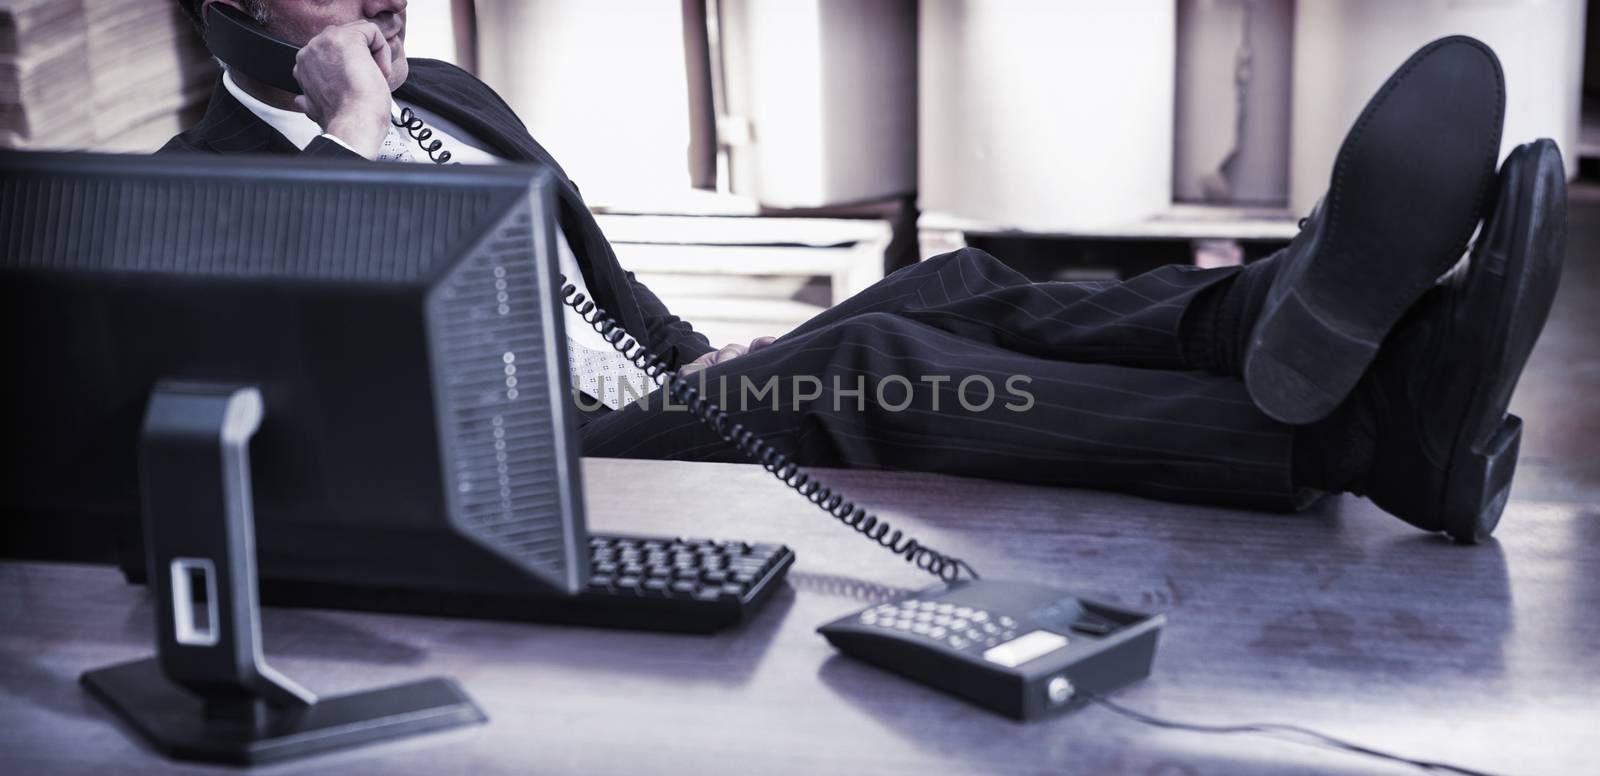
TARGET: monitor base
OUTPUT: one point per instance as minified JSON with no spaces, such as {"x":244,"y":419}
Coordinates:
{"x":177,"y":723}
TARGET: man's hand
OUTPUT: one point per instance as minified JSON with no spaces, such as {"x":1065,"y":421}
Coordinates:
{"x":727,"y":353}
{"x":344,"y":72}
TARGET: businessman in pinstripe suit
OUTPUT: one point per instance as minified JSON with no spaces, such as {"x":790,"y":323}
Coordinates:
{"x":1343,"y":363}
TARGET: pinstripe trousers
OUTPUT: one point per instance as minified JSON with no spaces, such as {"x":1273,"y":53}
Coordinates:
{"x":903,"y":369}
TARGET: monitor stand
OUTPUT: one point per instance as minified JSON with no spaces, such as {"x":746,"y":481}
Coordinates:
{"x":209,"y":694}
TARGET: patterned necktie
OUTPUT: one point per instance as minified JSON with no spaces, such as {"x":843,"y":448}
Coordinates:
{"x":605,"y":375}
{"x":395,"y":148}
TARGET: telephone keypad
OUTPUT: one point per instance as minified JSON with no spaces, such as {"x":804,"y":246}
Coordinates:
{"x":958,"y":627}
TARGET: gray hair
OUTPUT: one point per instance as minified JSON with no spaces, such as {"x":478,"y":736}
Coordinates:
{"x":260,"y":10}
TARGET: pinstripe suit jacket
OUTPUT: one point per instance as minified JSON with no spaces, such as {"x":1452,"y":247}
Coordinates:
{"x":228,"y":127}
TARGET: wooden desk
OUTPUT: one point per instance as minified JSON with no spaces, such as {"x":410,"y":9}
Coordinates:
{"x":1343,"y":619}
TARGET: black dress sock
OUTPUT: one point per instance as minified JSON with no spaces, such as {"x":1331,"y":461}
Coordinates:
{"x":1218,"y":324}
{"x":1335,"y":454}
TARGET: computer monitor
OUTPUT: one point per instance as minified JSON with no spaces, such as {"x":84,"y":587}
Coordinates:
{"x":398,"y":322}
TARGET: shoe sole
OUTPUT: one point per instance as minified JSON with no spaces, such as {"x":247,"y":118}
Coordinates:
{"x":1514,"y":279}
{"x":1416,"y":205}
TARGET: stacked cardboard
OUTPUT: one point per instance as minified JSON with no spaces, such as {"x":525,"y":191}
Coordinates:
{"x":119,"y":75}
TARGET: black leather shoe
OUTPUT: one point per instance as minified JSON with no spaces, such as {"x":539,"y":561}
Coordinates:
{"x":1409,"y":185}
{"x":1445,"y":447}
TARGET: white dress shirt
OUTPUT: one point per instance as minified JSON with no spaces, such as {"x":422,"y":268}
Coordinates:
{"x":593,"y":364}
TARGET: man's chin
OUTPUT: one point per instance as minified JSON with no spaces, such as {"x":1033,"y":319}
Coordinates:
{"x":398,"y":70}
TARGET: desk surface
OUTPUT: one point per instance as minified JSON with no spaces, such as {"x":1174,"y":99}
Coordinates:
{"x":1341,"y":618}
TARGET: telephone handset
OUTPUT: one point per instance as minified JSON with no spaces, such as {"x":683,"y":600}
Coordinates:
{"x":239,"y":41}
{"x":236,"y":39}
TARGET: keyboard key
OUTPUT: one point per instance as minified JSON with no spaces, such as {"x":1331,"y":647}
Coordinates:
{"x":714,"y":577}
{"x":684,"y":586}
{"x":733,"y":588}
{"x":708,"y":593}
{"x":600,"y":581}
{"x":630,"y":582}
{"x":657,"y":586}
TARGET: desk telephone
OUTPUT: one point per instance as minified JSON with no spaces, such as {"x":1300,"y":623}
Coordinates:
{"x":1019,"y":649}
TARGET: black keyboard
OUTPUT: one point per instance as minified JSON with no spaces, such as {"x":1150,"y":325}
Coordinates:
{"x":636,"y":582}
{"x":684,"y":585}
